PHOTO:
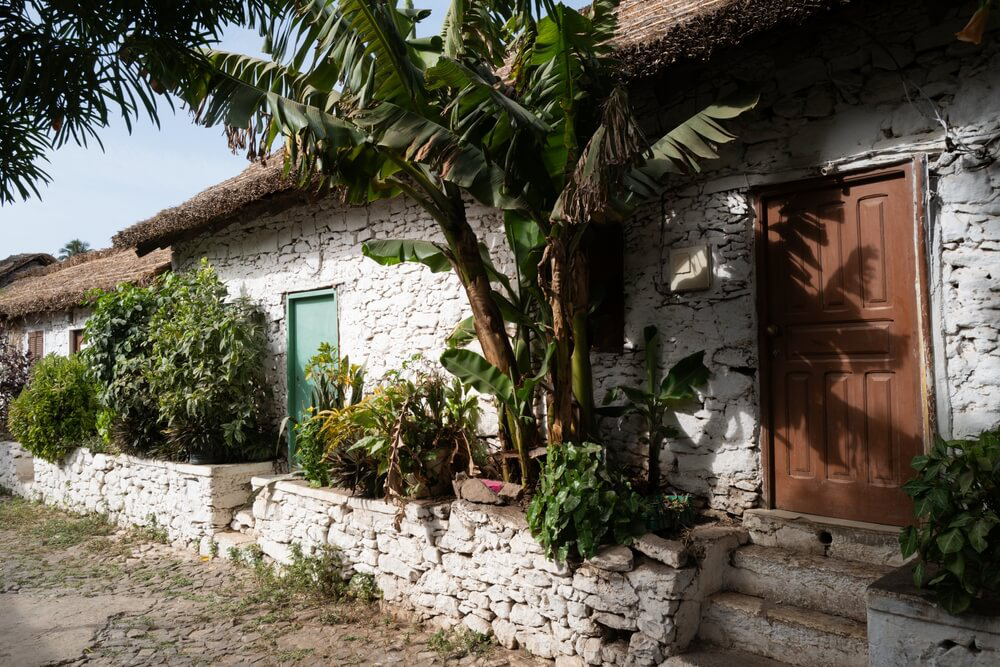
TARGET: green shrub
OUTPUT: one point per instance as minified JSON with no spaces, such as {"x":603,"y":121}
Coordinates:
{"x":410,"y":437}
{"x":581,"y":504}
{"x":956,"y":496}
{"x":310,"y":452}
{"x":337,"y":386}
{"x":207,"y":369}
{"x":57,"y":411}
{"x":119,"y":356}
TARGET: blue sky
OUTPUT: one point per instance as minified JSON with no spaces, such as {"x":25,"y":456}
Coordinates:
{"x":93,"y":194}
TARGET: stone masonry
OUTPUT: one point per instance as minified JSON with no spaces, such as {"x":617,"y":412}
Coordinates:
{"x":478,"y":565}
{"x":190,"y":502}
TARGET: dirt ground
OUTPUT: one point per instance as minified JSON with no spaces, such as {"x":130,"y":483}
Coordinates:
{"x":76,"y":591}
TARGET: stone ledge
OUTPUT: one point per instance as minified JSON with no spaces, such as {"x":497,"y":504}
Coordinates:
{"x":905,"y":627}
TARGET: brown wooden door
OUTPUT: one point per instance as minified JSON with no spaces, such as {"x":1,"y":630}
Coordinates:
{"x":842,"y":339}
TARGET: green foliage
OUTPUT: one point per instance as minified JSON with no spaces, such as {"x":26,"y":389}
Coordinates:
{"x":655,"y":402}
{"x":207,"y":370}
{"x":80,"y":63}
{"x":73,"y":248}
{"x":119,"y":358}
{"x":956,"y":496}
{"x":337,"y":383}
{"x":179,"y":369}
{"x":581,"y":504}
{"x":310,"y":452}
{"x":409,"y":438}
{"x":458,"y":643}
{"x":57,"y":411}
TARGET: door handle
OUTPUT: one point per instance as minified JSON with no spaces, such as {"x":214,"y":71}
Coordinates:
{"x":773,"y":330}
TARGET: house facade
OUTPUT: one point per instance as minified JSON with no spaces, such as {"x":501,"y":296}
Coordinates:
{"x":47,"y":308}
{"x":849,"y":307}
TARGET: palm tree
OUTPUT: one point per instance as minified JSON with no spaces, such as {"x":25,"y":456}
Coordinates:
{"x":515,"y":105}
{"x":73,"y":248}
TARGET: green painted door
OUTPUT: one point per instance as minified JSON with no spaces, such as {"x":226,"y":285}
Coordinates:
{"x":311,"y":320}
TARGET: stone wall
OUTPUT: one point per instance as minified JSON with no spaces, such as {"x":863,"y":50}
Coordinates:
{"x":56,"y":327}
{"x":833,"y":98}
{"x":479,"y":566}
{"x":190,"y":502}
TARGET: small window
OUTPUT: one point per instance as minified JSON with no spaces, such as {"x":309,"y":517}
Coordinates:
{"x":75,"y":340}
{"x":36,"y":345}
{"x":606,"y":269}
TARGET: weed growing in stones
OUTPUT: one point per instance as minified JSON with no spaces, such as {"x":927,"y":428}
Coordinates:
{"x":362,"y":587}
{"x":453,"y":644}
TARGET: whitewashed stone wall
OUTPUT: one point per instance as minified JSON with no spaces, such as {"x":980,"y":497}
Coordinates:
{"x":386,"y":314}
{"x":56,"y":327}
{"x":832,"y":99}
{"x":477,"y":565}
{"x":190,"y":502}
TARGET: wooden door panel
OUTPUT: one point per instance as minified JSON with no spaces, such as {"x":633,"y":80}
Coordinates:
{"x":844,"y":371}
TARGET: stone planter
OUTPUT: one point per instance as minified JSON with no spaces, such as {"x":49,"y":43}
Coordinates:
{"x":477,"y":565}
{"x":190,"y":502}
{"x":905,"y":627}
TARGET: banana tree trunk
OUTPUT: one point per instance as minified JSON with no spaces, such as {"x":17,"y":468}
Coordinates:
{"x":583,"y":376}
{"x":490,"y":328}
{"x":563,"y":427}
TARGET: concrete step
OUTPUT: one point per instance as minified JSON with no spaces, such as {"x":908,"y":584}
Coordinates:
{"x":782,"y":632}
{"x":820,"y":583}
{"x":710,"y":656}
{"x":823,"y":536}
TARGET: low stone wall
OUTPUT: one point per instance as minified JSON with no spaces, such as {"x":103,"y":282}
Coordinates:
{"x":906,"y":628}
{"x":478,"y":565}
{"x":191,"y":502}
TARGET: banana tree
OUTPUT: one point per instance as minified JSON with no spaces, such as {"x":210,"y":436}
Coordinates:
{"x":655,"y":402}
{"x":516,"y":105}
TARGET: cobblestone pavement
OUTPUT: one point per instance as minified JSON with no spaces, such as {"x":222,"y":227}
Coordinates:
{"x":75,"y":591}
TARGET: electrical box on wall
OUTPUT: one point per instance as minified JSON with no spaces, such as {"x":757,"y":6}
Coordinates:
{"x":690,"y":269}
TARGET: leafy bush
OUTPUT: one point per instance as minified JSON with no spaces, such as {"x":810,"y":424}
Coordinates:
{"x":410,"y":437}
{"x":119,"y":357}
{"x":57,"y":411}
{"x":207,"y":369}
{"x":581,"y":504}
{"x":956,"y":496}
{"x":310,"y":452}
{"x":14,"y":367}
{"x":337,"y":383}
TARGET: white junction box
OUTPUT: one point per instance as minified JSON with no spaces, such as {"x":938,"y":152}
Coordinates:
{"x":690,"y":268}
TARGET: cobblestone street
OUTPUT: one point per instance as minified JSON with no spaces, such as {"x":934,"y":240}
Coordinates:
{"x":76,"y":591}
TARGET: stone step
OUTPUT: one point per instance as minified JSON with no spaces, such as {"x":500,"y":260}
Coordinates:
{"x":710,"y":656}
{"x":823,"y":536}
{"x":782,"y":632}
{"x":229,"y":539}
{"x":820,"y":583}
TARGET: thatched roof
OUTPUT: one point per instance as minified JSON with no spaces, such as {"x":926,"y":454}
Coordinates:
{"x":15,"y":263}
{"x":656,"y":34}
{"x":258,"y":182}
{"x":653,"y":34}
{"x":64,"y":285}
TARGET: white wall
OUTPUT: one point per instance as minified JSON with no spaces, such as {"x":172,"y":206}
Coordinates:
{"x":56,"y":327}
